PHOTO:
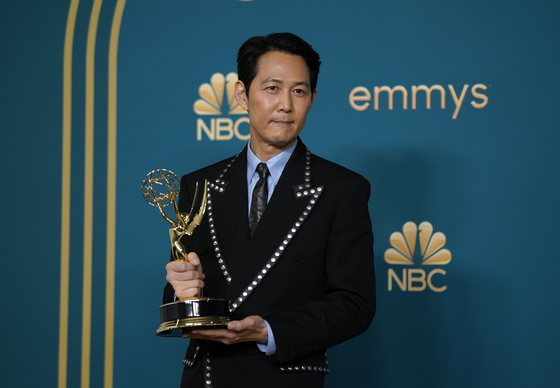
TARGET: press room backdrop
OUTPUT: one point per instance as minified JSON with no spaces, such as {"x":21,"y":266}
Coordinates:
{"x":449,"y":108}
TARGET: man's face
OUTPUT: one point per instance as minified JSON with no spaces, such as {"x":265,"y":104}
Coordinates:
{"x":278,"y":102}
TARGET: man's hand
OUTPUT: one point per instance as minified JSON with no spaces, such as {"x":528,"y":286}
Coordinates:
{"x":186,"y":277}
{"x":251,"y":328}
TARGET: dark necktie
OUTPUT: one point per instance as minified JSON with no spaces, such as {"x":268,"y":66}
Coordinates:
{"x":260,"y":196}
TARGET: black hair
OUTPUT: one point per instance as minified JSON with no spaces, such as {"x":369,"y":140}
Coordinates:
{"x":254,"y":48}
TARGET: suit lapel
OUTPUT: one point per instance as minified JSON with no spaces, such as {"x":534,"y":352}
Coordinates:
{"x":229,"y":211}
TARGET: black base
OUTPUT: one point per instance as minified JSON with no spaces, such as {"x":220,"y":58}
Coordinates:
{"x":191,"y":313}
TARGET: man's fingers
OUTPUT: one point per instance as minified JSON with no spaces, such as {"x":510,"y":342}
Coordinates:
{"x":180,"y":266}
{"x":247,"y":323}
{"x":247,"y":329}
{"x":194,"y":283}
{"x":187,"y":288}
{"x":173,"y":277}
{"x":186,"y":277}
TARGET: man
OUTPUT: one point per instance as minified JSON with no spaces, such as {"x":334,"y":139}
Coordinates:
{"x":299,"y":273}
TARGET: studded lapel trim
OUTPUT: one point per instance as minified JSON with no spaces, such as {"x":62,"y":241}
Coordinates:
{"x":278,"y":253}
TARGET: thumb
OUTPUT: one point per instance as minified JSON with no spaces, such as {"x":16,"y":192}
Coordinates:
{"x":235,"y":326}
{"x":193,"y":259}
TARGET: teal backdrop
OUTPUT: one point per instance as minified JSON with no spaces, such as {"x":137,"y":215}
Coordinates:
{"x":95,"y":94}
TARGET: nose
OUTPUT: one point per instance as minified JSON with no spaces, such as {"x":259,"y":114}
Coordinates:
{"x":285,"y":101}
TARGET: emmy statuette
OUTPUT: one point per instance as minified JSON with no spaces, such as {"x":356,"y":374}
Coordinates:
{"x":161,"y":188}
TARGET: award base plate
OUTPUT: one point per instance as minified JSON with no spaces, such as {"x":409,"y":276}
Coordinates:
{"x":196,"y":312}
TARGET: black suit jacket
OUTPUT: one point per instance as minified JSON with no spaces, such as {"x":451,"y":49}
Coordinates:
{"x":307,"y":269}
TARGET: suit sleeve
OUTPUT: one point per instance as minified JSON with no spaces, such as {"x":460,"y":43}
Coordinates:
{"x":348,"y":305}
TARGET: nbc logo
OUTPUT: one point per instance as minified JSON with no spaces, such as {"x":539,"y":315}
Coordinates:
{"x":212,"y":102}
{"x":402,"y":253}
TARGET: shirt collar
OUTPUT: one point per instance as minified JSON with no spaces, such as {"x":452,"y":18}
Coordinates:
{"x":275,"y":164}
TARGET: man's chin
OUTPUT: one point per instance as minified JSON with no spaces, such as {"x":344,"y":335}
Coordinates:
{"x":282,"y":143}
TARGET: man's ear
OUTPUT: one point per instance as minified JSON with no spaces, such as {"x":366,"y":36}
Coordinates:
{"x":312,"y":100}
{"x":241,"y":95}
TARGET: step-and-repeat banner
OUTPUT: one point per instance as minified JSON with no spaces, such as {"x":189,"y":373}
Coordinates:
{"x":449,"y":109}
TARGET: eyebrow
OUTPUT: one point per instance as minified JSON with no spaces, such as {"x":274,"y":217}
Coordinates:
{"x":278,"y":80}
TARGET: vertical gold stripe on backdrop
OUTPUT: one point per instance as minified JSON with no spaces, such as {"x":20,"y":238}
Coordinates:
{"x":65,"y":217}
{"x":111,"y":194}
{"x":88,"y":193}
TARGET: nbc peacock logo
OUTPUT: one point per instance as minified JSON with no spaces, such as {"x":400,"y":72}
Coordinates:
{"x":215,"y":98}
{"x":403,"y":251}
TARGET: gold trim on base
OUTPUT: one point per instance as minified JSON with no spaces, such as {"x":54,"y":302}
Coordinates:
{"x":189,"y":323}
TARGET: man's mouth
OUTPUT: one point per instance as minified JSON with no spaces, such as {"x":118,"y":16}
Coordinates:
{"x":282,"y":122}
